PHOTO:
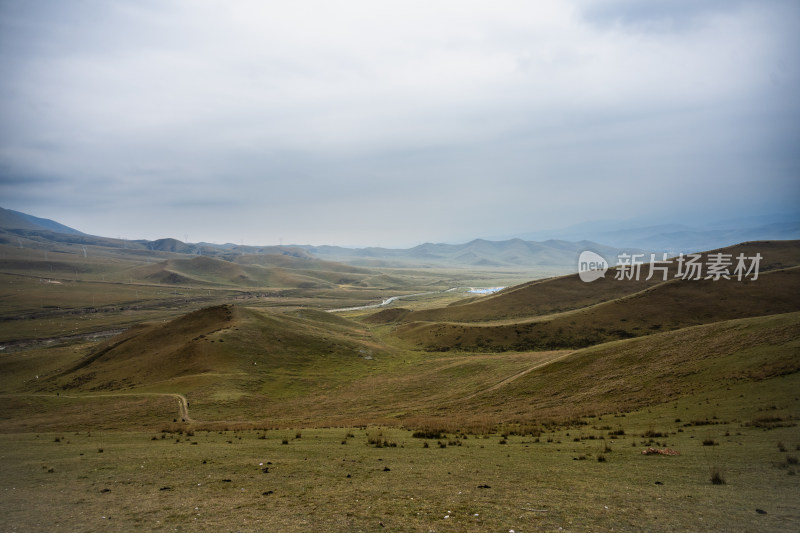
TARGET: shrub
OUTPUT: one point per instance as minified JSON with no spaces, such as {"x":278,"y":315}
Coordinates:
{"x":716,"y":477}
{"x":710,"y":442}
{"x":601,"y":458}
{"x":429,"y":434}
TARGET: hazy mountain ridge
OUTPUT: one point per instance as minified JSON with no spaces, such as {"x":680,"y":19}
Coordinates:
{"x":555,"y":251}
{"x":513,"y":253}
{"x":675,"y":238}
{"x":17,"y":220}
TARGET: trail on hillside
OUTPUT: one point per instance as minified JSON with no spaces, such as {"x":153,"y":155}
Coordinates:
{"x":183,"y":403}
{"x":516,"y":376}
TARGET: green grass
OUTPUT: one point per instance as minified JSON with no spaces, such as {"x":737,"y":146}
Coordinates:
{"x":317,"y":482}
{"x":554,"y":439}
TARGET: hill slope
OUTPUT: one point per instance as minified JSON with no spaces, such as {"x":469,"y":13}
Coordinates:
{"x":667,"y":306}
{"x":225,"y":348}
{"x":10,"y":219}
{"x":554,"y":295}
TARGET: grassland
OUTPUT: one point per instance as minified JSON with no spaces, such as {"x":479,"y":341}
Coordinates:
{"x":230,"y":399}
{"x":592,"y":476}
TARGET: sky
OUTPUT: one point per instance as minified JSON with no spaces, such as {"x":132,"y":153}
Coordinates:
{"x":392,"y":123}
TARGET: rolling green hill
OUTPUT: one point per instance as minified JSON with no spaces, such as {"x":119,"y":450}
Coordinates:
{"x":554,"y":295}
{"x":568,"y":313}
{"x":554,"y":352}
{"x":225,"y":348}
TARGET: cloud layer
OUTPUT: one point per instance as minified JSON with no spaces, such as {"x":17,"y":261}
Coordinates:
{"x":395,"y":122}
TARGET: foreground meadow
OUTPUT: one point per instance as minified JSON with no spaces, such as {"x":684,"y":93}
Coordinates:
{"x":735,"y":471}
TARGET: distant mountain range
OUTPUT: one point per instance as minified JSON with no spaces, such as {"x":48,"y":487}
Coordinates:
{"x":553,"y":254}
{"x":554,"y":251}
{"x":675,"y":238}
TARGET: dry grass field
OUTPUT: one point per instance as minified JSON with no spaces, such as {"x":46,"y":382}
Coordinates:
{"x":219,"y":405}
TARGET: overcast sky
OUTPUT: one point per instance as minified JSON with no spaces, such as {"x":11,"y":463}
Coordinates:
{"x":395,"y":122}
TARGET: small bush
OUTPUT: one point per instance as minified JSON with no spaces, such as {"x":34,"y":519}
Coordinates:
{"x":710,"y":442}
{"x":285,"y":441}
{"x":770,"y":422}
{"x":716,"y":477}
{"x":429,"y":434}
{"x":601,"y":458}
{"x":425,"y":444}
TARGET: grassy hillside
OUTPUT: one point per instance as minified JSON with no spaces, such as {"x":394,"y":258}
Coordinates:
{"x":232,"y":351}
{"x":145,"y":386}
{"x":554,"y":295}
{"x":665,"y":306}
{"x":313,"y":368}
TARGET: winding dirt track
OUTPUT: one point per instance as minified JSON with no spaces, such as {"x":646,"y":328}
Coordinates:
{"x":183,"y":403}
{"x":518,"y":375}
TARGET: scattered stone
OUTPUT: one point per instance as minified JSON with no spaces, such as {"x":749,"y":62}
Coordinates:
{"x":656,"y":451}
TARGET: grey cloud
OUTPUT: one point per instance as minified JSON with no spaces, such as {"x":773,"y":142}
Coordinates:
{"x":416,"y":121}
